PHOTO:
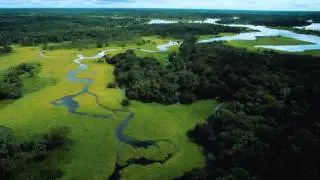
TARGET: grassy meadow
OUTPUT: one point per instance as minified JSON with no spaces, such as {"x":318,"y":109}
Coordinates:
{"x":266,"y":41}
{"x":271,"y":41}
{"x":93,"y":152}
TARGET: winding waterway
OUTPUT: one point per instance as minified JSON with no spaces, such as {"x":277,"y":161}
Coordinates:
{"x":72,"y":105}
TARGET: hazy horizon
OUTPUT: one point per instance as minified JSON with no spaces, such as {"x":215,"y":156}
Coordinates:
{"x":271,"y":5}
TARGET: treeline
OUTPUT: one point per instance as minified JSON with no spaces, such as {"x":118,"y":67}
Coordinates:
{"x":158,"y":13}
{"x":182,"y":30}
{"x":35,"y":30}
{"x":280,"y":21}
{"x":304,"y":31}
{"x":284,"y":20}
{"x":11,"y":80}
{"x":33,"y":27}
{"x":26,"y":160}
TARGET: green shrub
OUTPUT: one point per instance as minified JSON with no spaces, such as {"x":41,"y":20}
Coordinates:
{"x":125,"y":102}
{"x":111,"y":85}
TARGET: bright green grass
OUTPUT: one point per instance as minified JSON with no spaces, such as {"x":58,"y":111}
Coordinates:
{"x":36,"y":83}
{"x":272,"y":41}
{"x":162,"y":57}
{"x":151,"y":44}
{"x":93,"y":153}
{"x":265,"y":41}
{"x":154,"y":121}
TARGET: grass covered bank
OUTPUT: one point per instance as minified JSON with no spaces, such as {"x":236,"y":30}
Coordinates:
{"x":93,"y":153}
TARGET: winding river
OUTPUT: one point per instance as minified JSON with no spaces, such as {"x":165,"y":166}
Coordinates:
{"x":72,"y":105}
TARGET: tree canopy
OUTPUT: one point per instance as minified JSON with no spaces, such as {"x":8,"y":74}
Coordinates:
{"x":266,"y":125}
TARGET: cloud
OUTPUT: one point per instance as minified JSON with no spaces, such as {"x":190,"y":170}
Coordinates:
{"x":203,"y":4}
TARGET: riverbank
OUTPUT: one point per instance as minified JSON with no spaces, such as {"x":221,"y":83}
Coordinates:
{"x":93,"y":154}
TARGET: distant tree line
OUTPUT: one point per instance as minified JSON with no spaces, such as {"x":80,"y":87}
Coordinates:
{"x":26,"y":159}
{"x":269,"y":20}
{"x":306,"y":31}
{"x":182,"y":30}
{"x":31,"y":30}
{"x":40,"y":30}
{"x":280,"y":21}
{"x":146,"y":14}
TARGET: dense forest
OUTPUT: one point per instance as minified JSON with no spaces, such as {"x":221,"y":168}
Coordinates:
{"x":181,"y":30}
{"x":32,"y":30}
{"x":103,"y":26}
{"x":266,"y":125}
{"x":271,"y":20}
{"x":26,"y":160}
{"x":35,"y":30}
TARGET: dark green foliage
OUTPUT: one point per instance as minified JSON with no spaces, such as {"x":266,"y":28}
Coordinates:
{"x":7,"y":152}
{"x":111,"y":85}
{"x":144,"y":78}
{"x":36,"y":26}
{"x":11,"y":81}
{"x":125,"y":102}
{"x":18,"y":158}
{"x":90,"y":31}
{"x":269,"y":20}
{"x":99,"y":44}
{"x":280,"y":21}
{"x":106,"y":58}
{"x":267,"y":125}
{"x":56,"y":137}
{"x":44,"y":46}
{"x":49,"y":174}
{"x":5,"y":48}
{"x":181,"y":30}
{"x":30,"y":30}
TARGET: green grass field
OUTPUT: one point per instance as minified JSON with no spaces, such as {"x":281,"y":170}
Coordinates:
{"x":271,"y":41}
{"x":266,"y":41}
{"x":93,"y":153}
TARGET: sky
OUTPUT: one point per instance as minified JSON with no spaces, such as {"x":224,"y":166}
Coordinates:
{"x":309,"y":5}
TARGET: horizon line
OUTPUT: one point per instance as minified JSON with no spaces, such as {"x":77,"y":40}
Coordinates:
{"x":159,"y":8}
